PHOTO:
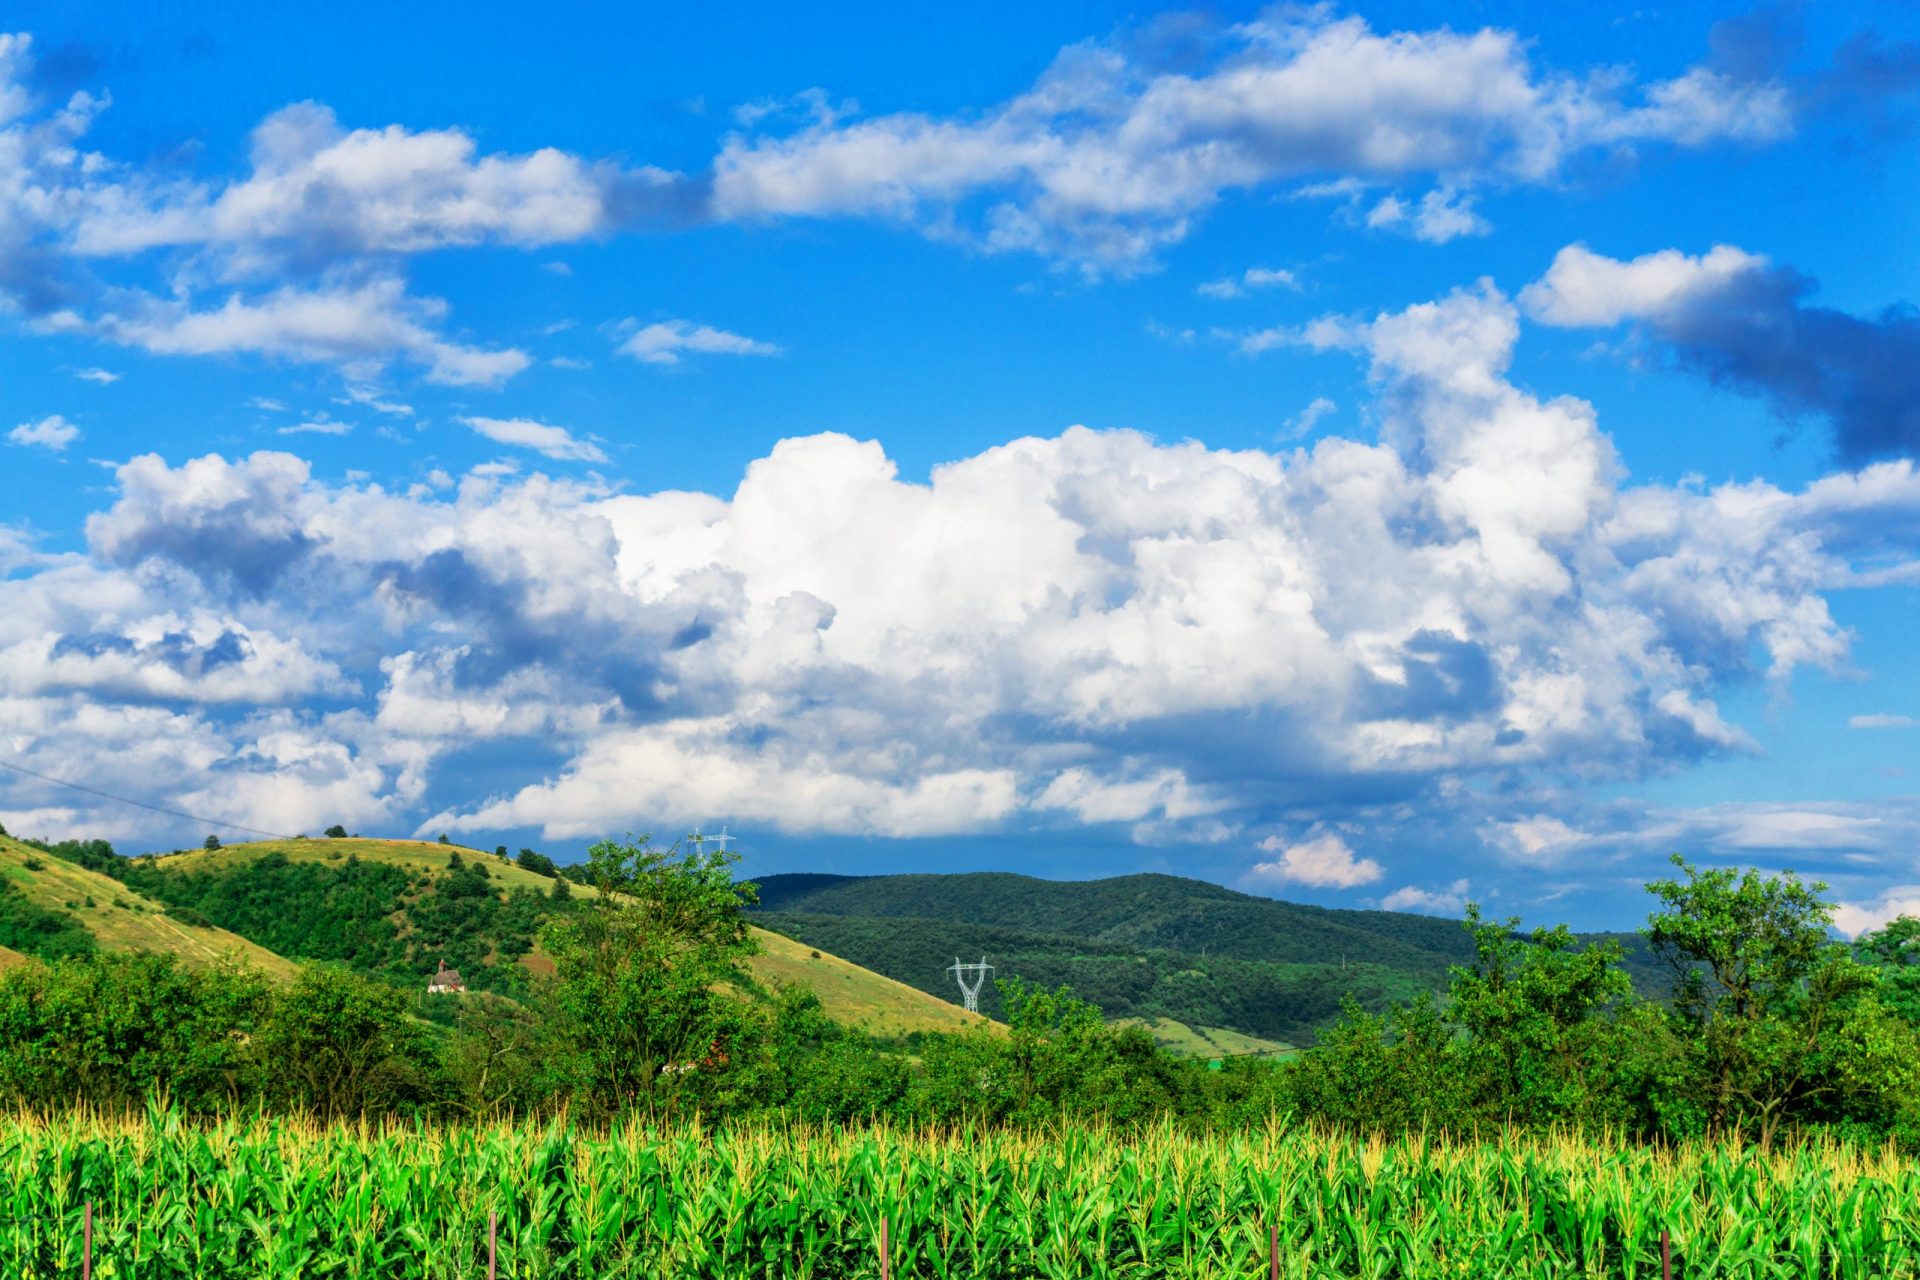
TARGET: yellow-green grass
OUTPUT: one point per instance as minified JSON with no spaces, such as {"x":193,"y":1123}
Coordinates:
{"x":286,"y":1199}
{"x":850,"y":994}
{"x":1209,"y":1042}
{"x":120,"y":919}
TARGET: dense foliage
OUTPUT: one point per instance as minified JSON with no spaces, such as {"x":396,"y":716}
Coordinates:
{"x":1772,"y":1027}
{"x":273,"y":1200}
{"x":34,"y":930}
{"x":371,"y":916}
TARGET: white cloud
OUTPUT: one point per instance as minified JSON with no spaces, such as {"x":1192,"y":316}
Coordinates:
{"x":319,"y":427}
{"x":1090,"y":628}
{"x":1450,"y":901}
{"x":1881,"y":721}
{"x":319,"y":193}
{"x":1583,"y":288}
{"x":555,"y":442}
{"x":104,"y":377}
{"x":1856,"y":918}
{"x":1441,"y":215}
{"x":1539,"y":839}
{"x":51,"y":432}
{"x":358,"y":326}
{"x":1324,"y":862}
{"x":666,"y":341}
{"x":1251,"y":279}
{"x":1104,"y":160}
{"x":1309,"y":417}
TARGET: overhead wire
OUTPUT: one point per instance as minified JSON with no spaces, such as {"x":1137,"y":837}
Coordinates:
{"x":141,"y":804}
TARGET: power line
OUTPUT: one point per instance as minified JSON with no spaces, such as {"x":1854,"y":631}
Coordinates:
{"x":141,"y":804}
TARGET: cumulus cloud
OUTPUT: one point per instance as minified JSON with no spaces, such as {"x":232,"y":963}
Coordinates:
{"x":51,"y":432}
{"x":1324,"y":862}
{"x":1856,"y":918}
{"x":1089,"y":629}
{"x":1450,"y":901}
{"x":1741,"y":322}
{"x":1108,"y":158}
{"x":666,"y":341}
{"x":319,"y":193}
{"x":554,"y":442}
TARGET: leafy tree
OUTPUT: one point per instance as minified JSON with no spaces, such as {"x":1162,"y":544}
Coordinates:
{"x":1383,"y":1072}
{"x":1532,"y":1007}
{"x":211,"y":842}
{"x":1894,"y":953}
{"x":639,"y":970}
{"x":33,"y":930}
{"x":538,"y":863}
{"x":336,"y":832}
{"x":108,"y":1030}
{"x":343,"y":1045}
{"x":1780,"y":1023}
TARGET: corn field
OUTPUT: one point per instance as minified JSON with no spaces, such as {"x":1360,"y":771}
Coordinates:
{"x":276,"y":1198}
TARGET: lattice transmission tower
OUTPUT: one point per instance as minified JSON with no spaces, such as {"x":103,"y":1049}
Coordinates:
{"x":971,"y":978}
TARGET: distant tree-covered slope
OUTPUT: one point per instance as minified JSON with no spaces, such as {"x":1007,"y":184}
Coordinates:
{"x":1148,"y":946}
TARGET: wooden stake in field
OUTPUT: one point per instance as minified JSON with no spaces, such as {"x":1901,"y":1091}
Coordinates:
{"x":1666,"y":1256}
{"x":86,"y":1241}
{"x":493,"y":1240}
{"x":886,"y":1263}
{"x":1273,"y":1253}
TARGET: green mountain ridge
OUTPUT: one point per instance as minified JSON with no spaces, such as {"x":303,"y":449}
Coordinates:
{"x":1140,"y":946}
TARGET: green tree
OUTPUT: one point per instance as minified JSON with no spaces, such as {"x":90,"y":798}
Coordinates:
{"x":1534,"y":1009}
{"x":211,"y":842}
{"x":648,"y":971}
{"x":342,"y":1045}
{"x":336,"y":832}
{"x":1894,"y":953}
{"x":1781,"y":1025}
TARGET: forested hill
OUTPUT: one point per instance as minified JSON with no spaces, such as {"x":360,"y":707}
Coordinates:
{"x":1139,"y":946}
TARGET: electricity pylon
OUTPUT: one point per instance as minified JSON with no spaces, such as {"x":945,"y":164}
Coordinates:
{"x":970,"y":990}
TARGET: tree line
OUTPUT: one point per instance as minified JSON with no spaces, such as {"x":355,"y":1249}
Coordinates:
{"x":1773,"y":1027}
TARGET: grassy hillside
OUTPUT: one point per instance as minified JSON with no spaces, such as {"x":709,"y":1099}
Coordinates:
{"x":1143,"y":946}
{"x":396,"y":907}
{"x":1210,"y":1042}
{"x":115,"y":916}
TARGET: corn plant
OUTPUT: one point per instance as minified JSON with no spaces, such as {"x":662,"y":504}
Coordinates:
{"x":281,"y":1198}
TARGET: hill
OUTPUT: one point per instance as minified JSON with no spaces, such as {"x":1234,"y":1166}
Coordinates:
{"x":51,"y":907}
{"x":1140,"y":946}
{"x":395,"y":908}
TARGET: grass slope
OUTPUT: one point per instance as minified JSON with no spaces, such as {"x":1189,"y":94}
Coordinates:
{"x":849,"y":993}
{"x":118,"y":918}
{"x":1210,"y":1042}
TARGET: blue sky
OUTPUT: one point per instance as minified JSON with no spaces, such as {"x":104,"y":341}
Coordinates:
{"x":1370,"y":456}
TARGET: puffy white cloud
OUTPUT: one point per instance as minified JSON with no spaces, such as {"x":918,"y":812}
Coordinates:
{"x":1856,"y":918}
{"x":1090,"y":628}
{"x":554,"y":442}
{"x":104,"y":377}
{"x":320,"y":193}
{"x":1450,"y":901}
{"x":1583,"y":288}
{"x":1104,"y":159}
{"x":51,"y":432}
{"x":666,"y":341}
{"x":1741,"y":322}
{"x":1325,"y":862}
